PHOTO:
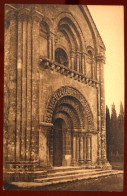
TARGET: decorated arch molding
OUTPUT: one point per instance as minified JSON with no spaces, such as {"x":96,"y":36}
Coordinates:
{"x":77,"y":28}
{"x":69,"y":91}
{"x":76,"y":105}
{"x":66,"y":117}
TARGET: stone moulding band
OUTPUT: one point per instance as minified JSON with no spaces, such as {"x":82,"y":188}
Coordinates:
{"x":49,"y":64}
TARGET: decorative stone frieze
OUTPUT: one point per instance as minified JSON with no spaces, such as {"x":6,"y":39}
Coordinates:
{"x":48,"y":64}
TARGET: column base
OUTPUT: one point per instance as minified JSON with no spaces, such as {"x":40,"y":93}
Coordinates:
{"x":74,"y":162}
{"x":81,"y":162}
{"x":104,"y":164}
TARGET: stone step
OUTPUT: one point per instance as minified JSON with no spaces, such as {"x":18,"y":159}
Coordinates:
{"x":62,"y":173}
{"x":70,"y":168}
{"x":84,"y":177}
{"x":72,"y":176}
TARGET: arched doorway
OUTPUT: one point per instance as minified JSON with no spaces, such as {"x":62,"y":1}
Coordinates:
{"x":70,"y":141}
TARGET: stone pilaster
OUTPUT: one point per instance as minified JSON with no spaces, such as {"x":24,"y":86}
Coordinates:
{"x":12,"y":87}
{"x":19,"y":90}
{"x":6,"y":87}
{"x":98,"y":108}
{"x":29,"y":89}
{"x":36,"y":18}
{"x":98,"y":122}
{"x":24,"y":96}
{"x":102,"y":159}
{"x":23,"y":134}
{"x":103,"y":114}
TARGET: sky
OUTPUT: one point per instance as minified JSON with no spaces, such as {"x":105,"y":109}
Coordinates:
{"x":109,"y":21}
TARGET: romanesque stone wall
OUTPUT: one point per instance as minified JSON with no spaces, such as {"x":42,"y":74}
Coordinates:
{"x":31,"y":76}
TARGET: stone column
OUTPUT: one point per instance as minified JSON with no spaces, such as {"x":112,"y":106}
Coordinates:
{"x":74,"y":150}
{"x":81,"y":149}
{"x":93,"y":66}
{"x":72,"y":60}
{"x":19,"y":90}
{"x":12,"y":87}
{"x":77,"y":62}
{"x":36,"y":18}
{"x":50,"y":47}
{"x":77,"y":148}
{"x":84,"y":148}
{"x":53,"y":47}
{"x":95,"y":70}
{"x":98,"y":68}
{"x":80,"y":63}
{"x":29,"y":89}
{"x":91,"y":69}
{"x":88,"y":146}
{"x":24,"y":87}
{"x":83,"y":65}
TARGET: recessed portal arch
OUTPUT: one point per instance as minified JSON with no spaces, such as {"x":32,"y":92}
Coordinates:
{"x":71,"y":94}
{"x":70,"y":114}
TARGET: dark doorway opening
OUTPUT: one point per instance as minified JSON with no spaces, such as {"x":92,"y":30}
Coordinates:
{"x":58,"y":142}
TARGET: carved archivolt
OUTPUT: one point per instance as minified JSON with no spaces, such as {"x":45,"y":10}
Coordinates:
{"x":67,"y":91}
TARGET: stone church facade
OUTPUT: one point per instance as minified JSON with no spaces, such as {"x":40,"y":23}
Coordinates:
{"x":54,"y":102}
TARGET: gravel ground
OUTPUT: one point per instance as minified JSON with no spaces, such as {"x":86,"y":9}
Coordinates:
{"x":109,"y":183}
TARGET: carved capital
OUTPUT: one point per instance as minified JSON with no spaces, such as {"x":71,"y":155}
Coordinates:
{"x":11,"y":15}
{"x":72,"y":54}
{"x":24,"y":14}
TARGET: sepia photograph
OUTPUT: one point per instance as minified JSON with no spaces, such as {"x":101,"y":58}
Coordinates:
{"x":63,"y":97}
